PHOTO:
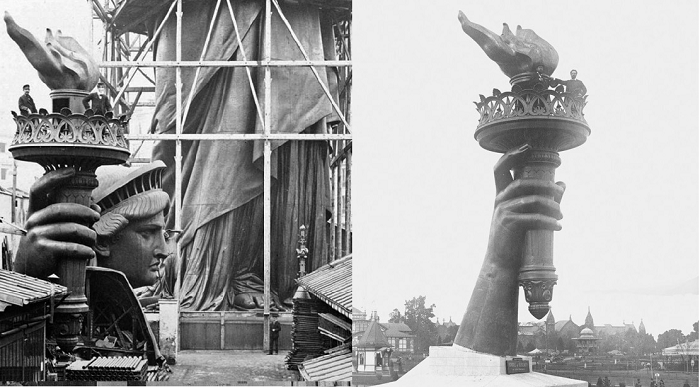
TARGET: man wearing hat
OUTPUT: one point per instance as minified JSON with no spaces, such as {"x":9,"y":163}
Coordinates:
{"x":127,"y":235}
{"x":26,"y":103}
{"x":99,"y":101}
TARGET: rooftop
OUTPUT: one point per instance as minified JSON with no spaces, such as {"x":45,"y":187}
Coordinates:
{"x":332,"y":283}
{"x":19,"y":289}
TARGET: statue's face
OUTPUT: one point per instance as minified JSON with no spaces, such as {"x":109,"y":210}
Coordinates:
{"x":140,"y":251}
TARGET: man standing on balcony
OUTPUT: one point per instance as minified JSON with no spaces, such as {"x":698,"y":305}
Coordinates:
{"x":26,"y":103}
{"x":98,"y":102}
{"x":573,"y":85}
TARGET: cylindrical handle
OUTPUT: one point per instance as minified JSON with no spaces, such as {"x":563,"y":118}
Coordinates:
{"x":537,"y":275}
{"x":71,"y":270}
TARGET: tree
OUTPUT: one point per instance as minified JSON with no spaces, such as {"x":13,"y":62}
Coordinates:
{"x":560,"y":344}
{"x":451,"y":333}
{"x":646,"y":343}
{"x":694,"y":334}
{"x":396,"y":317}
{"x":670,"y":338}
{"x":417,"y":317}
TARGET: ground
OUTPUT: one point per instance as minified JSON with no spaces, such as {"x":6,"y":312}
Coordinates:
{"x":671,"y":379}
{"x":229,"y":368}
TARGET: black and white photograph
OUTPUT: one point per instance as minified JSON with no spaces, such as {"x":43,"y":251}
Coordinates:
{"x":181,"y":179}
{"x":184,"y":185}
{"x":438,"y":101}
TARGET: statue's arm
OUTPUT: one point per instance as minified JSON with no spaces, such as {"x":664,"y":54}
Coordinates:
{"x":490,"y":324}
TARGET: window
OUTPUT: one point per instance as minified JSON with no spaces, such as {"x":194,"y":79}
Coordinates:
{"x":403,"y":345}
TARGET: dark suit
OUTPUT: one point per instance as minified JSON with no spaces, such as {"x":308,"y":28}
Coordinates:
{"x":100,"y":103}
{"x":26,"y":105}
{"x":275,"y":329}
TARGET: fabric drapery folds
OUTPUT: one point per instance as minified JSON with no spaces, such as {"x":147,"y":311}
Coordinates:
{"x":222,"y":180}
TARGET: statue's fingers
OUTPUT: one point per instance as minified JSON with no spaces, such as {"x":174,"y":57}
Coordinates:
{"x":501,"y":171}
{"x":63,"y":213}
{"x":560,"y":195}
{"x":39,"y":192}
{"x":535,"y":222}
{"x":67,"y":232}
{"x":535,"y":205}
{"x":530,"y":187}
{"x":68,"y":249}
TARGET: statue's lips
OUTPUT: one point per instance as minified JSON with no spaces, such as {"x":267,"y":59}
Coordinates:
{"x":156,"y":266}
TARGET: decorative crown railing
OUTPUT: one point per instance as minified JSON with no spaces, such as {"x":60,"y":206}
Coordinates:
{"x":68,"y":128}
{"x":529,"y":103}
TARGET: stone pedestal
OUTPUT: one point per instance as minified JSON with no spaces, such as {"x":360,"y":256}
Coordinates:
{"x":168,"y":329}
{"x":459,"y":366}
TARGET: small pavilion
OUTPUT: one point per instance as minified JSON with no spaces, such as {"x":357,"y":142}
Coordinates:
{"x":587,"y":343}
{"x":369,"y":347}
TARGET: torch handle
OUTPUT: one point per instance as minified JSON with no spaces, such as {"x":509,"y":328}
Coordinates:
{"x":71,"y":270}
{"x":537,"y":272}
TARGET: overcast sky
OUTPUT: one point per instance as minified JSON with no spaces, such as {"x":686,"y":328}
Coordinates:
{"x":422,"y":186}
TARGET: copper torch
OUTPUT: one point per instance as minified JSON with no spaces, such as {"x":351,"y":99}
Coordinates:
{"x":59,"y":140}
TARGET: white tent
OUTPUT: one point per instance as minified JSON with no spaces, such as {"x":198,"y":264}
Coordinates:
{"x":535,"y":352}
{"x":685,"y":349}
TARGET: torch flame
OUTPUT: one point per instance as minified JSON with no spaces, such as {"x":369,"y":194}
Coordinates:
{"x":62,"y":63}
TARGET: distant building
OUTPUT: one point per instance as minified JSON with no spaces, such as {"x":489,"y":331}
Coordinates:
{"x":565,"y":335}
{"x":359,"y":321}
{"x":567,"y":328}
{"x":446,"y":331}
{"x":587,"y":342}
{"x":589,"y":320}
{"x":371,"y":349}
{"x":398,"y":335}
{"x":531,"y":334}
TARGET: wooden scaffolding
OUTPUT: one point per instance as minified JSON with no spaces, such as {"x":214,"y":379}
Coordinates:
{"x":126,"y":44}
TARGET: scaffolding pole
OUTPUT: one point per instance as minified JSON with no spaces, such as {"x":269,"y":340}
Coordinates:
{"x":267,"y":154}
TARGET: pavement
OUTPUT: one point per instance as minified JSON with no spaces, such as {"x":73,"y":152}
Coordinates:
{"x":196,"y":367}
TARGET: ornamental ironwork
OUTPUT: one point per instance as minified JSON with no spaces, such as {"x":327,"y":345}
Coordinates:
{"x":68,"y":128}
{"x":529,"y":103}
{"x":46,"y":137}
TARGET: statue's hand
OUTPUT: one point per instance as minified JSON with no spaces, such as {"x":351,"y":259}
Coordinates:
{"x":54,"y":230}
{"x":521,"y":205}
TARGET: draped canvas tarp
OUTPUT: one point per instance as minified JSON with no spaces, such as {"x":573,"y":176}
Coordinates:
{"x":222,"y":181}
